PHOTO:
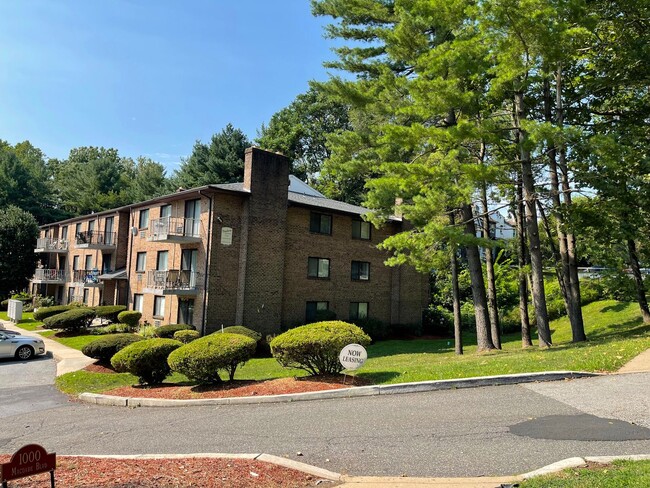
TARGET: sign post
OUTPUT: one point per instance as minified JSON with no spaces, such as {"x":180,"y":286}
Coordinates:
{"x":27,"y":461}
{"x":352,"y":357}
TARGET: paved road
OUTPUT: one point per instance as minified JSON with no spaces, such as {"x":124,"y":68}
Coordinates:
{"x":444,"y":433}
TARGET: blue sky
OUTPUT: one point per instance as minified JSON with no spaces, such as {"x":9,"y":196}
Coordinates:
{"x":150,"y":77}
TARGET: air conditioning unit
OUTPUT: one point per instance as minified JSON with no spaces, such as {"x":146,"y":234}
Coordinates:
{"x":157,"y":323}
{"x":143,"y":234}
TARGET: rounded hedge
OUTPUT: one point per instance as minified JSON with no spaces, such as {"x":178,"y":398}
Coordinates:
{"x":104,"y":348}
{"x":203,"y":358}
{"x":129,"y":317}
{"x":315,"y":348}
{"x":146,"y":359}
{"x":240,"y":329}
{"x":109,"y":312}
{"x":186,"y":336}
{"x":74,"y":319}
{"x":168,"y":331}
{"x":44,"y":312}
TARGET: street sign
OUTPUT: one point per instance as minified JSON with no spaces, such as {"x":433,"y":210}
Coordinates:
{"x":27,"y":461}
{"x":353,"y":356}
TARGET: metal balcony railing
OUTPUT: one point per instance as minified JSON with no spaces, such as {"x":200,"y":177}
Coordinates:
{"x":48,"y":244}
{"x":163,"y":228}
{"x":86,"y":276}
{"x":42,"y":274}
{"x":172,"y":279}
{"x":95,"y":238}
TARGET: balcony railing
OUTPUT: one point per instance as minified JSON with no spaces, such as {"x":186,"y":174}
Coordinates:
{"x":89,"y":277}
{"x":50,"y":275}
{"x":176,"y":229}
{"x":95,"y":239}
{"x":47,"y":244}
{"x":173,"y":281}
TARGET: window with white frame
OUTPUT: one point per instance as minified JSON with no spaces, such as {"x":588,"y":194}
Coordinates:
{"x":138,"y":302}
{"x":143,"y":221}
{"x":159,"y":306}
{"x":141,"y":262}
{"x":162,"y":260}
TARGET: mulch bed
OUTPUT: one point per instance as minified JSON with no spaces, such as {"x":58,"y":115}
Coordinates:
{"x":80,"y":472}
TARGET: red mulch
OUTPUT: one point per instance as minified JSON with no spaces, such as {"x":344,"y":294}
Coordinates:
{"x":236,"y":388}
{"x":79,"y":472}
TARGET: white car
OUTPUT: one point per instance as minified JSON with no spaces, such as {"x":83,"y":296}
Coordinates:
{"x":19,"y":346}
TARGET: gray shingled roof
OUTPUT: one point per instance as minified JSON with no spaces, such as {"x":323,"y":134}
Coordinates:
{"x":326,"y":203}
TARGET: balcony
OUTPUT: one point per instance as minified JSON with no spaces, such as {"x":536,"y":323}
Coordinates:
{"x":174,"y":229}
{"x":172,"y":282}
{"x":89,"y":278}
{"x":94,"y":239}
{"x":56,"y":276}
{"x":47,"y":244}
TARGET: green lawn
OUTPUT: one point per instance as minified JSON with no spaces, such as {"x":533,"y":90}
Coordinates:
{"x":27,"y":323}
{"x":615,"y":330}
{"x":629,"y":474}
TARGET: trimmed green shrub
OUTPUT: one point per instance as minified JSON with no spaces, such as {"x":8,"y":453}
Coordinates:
{"x":110,"y":329}
{"x":376,"y":329}
{"x":45,"y":312}
{"x":130,"y":318}
{"x":186,"y":336}
{"x":203,"y":358}
{"x":4,"y":305}
{"x":109,"y":312}
{"x":146,"y":359}
{"x":315,"y":347}
{"x":75,"y":319}
{"x":240,"y":329}
{"x":104,"y":348}
{"x":168,"y":331}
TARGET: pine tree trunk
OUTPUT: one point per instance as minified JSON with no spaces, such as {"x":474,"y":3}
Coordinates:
{"x":532,"y":228}
{"x":638,"y":280}
{"x":521,"y":262}
{"x":458,"y":336}
{"x":493,"y":309}
{"x":575,"y":300}
{"x":483,"y":336}
{"x":556,"y":255}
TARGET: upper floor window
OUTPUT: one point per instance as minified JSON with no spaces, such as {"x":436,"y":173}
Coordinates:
{"x":91,"y":226}
{"x":161,"y":261}
{"x":318,"y":268}
{"x":89,"y":262}
{"x":165,"y":211}
{"x":360,"y":270}
{"x":64,"y":233}
{"x":75,"y":263}
{"x":361,"y":230}
{"x":77,"y":229}
{"x":141,"y":261}
{"x":320,"y":223}
{"x":143,"y":222}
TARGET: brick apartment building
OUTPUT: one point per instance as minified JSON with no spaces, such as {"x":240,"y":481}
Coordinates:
{"x":268,"y":253}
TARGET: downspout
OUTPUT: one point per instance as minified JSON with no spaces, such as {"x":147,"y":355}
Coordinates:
{"x":207,"y":264}
{"x":130,"y":238}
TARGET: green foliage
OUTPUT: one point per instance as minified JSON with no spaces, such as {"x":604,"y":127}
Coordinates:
{"x":168,"y":331}
{"x":74,"y":319}
{"x":631,"y":474}
{"x":109,"y":312}
{"x":18,"y":233}
{"x":186,"y":336}
{"x":203,"y":358}
{"x":146,"y":359}
{"x":240,"y":329}
{"x":438,"y":321}
{"x":376,"y":329}
{"x":324,"y":315}
{"x":315,"y":347}
{"x":221,"y":161}
{"x":149,"y":181}
{"x":110,"y":329}
{"x":129,"y":317}
{"x":43,"y":301}
{"x":147,"y":330}
{"x":407,"y":330}
{"x":45,"y":312}
{"x":104,"y":348}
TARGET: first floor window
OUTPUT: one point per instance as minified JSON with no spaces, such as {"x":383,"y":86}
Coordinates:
{"x":358,"y":310}
{"x":138,"y":302}
{"x":86,"y":296}
{"x":159,"y":306}
{"x":318,"y":268}
{"x":360,"y":270}
{"x":313,"y":308}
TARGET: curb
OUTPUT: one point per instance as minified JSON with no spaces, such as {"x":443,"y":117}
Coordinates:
{"x":266,"y":458}
{"x":575,"y":462}
{"x":359,"y":391}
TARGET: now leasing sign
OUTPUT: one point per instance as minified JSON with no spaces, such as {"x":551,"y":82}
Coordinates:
{"x":28,"y":461}
{"x":353,"y":356}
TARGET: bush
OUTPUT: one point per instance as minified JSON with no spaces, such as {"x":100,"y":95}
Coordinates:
{"x":43,"y":301}
{"x":186,"y":336}
{"x":146,"y":359}
{"x":147,"y":330}
{"x":109,"y":312}
{"x":324,"y":315}
{"x":438,"y":321}
{"x":376,"y":329}
{"x":110,"y":329}
{"x":45,"y":312}
{"x":168,"y":331}
{"x":130,"y":318}
{"x":23,"y":296}
{"x":203,"y":358}
{"x":590,"y":291}
{"x":4,"y":305}
{"x":240,"y":329}
{"x":315,"y":347}
{"x":406,"y":330}
{"x":104,"y":348}
{"x":74,"y":319}
{"x":510,"y":321}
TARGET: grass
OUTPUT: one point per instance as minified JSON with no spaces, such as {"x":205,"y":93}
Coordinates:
{"x":631,"y":474}
{"x":27,"y":323}
{"x":615,"y":330}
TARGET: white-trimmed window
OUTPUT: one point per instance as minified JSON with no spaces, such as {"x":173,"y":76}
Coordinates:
{"x":138,"y":302}
{"x":141,"y":262}
{"x":162,"y":260}
{"x":143,"y":221}
{"x":159,"y":306}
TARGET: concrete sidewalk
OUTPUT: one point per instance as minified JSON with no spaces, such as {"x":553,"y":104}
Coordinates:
{"x":67,"y":359}
{"x":638,"y":364}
